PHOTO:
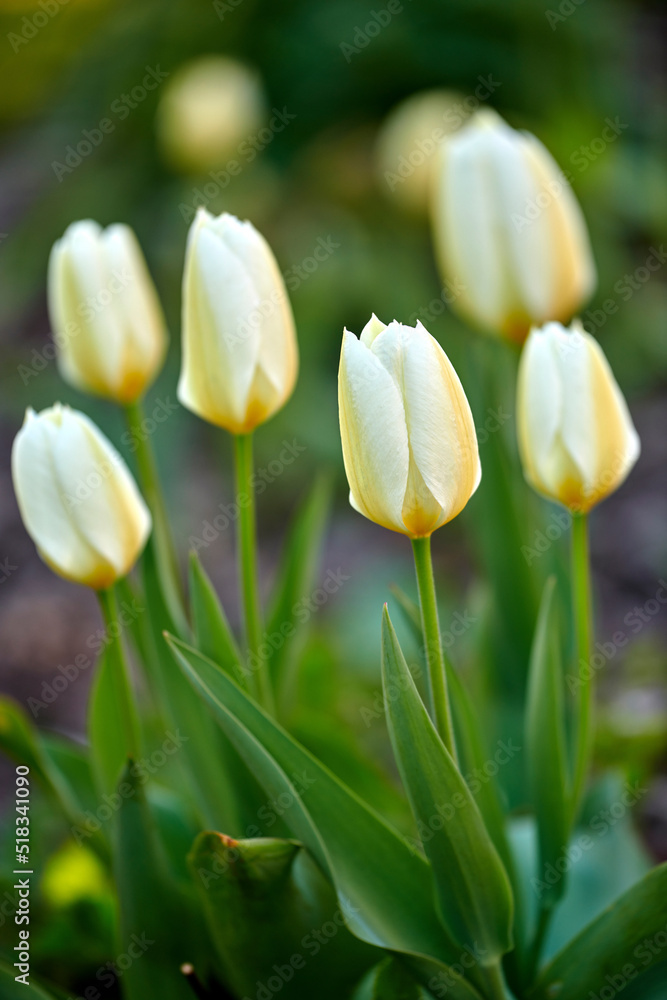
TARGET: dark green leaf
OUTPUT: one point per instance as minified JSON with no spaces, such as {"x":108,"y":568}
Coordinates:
{"x":269,"y":907}
{"x":154,"y":929}
{"x":106,"y":732}
{"x":385,"y":885}
{"x":201,"y":757}
{"x":296,"y":581}
{"x":545,"y":742}
{"x":473,"y":890}
{"x":627,"y":939}
{"x":11,"y":990}
{"x":213,"y":635}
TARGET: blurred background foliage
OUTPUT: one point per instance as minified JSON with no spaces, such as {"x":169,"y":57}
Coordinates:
{"x":559,"y":68}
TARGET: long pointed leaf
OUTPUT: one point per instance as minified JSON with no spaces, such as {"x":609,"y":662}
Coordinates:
{"x":473,"y":891}
{"x":384,"y":886}
{"x":296,"y":580}
{"x":627,"y":939}
{"x":152,"y":923}
{"x":545,"y":742}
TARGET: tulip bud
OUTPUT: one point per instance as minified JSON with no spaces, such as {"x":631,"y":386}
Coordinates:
{"x":240,"y":356}
{"x":106,"y":316}
{"x":576,"y":436}
{"x":409,"y":442}
{"x":509,"y":233}
{"x":77,"y":498}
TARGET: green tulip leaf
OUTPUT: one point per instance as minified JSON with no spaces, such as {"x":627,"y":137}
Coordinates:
{"x":201,"y":757}
{"x":626,"y":940}
{"x":545,"y":742}
{"x":295,"y":583}
{"x":11,"y":990}
{"x":473,"y":890}
{"x":106,"y":730}
{"x":154,"y":930}
{"x":273,"y":915}
{"x":213,"y":635}
{"x":384,"y":886}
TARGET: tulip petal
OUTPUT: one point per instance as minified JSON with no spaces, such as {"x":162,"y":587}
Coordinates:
{"x":374,"y":435}
{"x":441,"y":431}
{"x":540,"y":405}
{"x":44,"y":508}
{"x":110,"y":513}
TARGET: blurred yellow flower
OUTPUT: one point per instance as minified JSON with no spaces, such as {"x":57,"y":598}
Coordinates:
{"x":106,"y":316}
{"x":576,"y":436}
{"x":510,"y":235}
{"x":409,"y":442}
{"x":78,"y":500}
{"x":408,"y":141}
{"x":207,"y":109}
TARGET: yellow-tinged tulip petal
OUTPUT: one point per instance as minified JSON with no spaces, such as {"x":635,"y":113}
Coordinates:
{"x":576,"y":436}
{"x":77,"y":498}
{"x":510,"y":236}
{"x":106,"y":316}
{"x":409,"y":442}
{"x":240,"y":357}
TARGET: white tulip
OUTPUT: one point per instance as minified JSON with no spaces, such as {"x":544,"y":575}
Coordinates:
{"x":409,"y":442}
{"x":510,"y":235}
{"x":77,"y":498}
{"x":106,"y":316}
{"x":576,"y":436}
{"x":240,"y":357}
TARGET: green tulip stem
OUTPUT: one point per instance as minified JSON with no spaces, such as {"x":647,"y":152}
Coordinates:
{"x":161,"y":538}
{"x":119,"y":671}
{"x":582,"y":616}
{"x":492,"y":980}
{"x":435,"y":659}
{"x":259,"y":682}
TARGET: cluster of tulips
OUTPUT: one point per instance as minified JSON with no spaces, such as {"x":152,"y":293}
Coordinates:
{"x":411,"y":457}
